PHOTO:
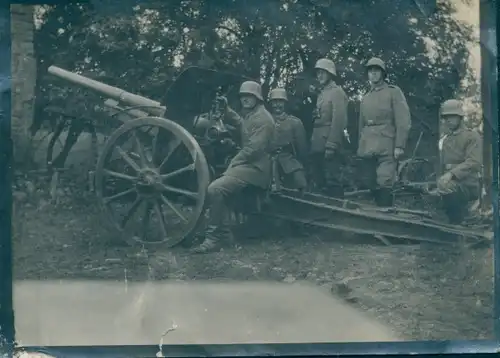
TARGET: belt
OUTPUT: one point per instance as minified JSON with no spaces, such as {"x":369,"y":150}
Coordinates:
{"x":287,"y":148}
{"x":321,"y":125}
{"x":373,"y":124}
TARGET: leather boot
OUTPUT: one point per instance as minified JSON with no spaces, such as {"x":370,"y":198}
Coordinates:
{"x":214,"y":237}
{"x":455,"y":207}
{"x":335,"y":191}
{"x":384,"y":198}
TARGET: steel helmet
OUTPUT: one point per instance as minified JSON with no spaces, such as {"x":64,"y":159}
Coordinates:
{"x":376,"y":62}
{"x":452,"y":107}
{"x":327,"y":65}
{"x":251,"y":87}
{"x":278,"y":93}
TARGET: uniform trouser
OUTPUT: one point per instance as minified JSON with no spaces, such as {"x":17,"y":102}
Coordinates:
{"x":455,"y":199}
{"x":326,"y":174}
{"x":378,"y":174}
{"x":294,"y":180}
{"x":219,"y":192}
{"x":454,"y":203}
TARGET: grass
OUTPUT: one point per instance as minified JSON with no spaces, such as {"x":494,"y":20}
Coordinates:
{"x":422,"y":292}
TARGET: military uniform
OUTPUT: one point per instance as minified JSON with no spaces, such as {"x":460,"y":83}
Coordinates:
{"x":461,"y":157}
{"x":289,"y":149}
{"x":330,"y":121}
{"x":384,"y":124}
{"x":250,"y":167}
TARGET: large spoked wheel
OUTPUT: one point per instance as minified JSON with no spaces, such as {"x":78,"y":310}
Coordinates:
{"x":151,"y":181}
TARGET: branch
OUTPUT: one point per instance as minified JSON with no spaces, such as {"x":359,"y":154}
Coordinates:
{"x":235,"y":33}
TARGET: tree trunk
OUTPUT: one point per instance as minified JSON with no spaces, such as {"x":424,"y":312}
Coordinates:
{"x":23,"y":82}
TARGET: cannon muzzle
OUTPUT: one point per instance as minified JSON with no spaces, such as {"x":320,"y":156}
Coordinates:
{"x":129,"y":99}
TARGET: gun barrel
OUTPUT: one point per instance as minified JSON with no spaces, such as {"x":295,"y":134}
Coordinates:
{"x":115,"y":93}
{"x":111,"y":103}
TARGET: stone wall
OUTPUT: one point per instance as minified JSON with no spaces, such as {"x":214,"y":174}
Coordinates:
{"x":23,"y":81}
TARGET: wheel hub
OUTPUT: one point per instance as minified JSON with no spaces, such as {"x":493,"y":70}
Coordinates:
{"x":147,"y":182}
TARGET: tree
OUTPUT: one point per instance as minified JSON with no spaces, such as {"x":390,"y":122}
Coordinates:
{"x":275,"y":41}
{"x":23,"y":81}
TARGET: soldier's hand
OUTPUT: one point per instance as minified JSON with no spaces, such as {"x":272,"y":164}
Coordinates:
{"x":444,"y":186}
{"x":329,"y":153}
{"x":222,"y":101}
{"x":445,"y":178}
{"x":398,"y":153}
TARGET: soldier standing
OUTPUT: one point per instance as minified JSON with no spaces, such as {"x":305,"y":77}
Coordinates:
{"x":251,"y":166}
{"x":330,"y":121}
{"x":384,"y":124}
{"x":461,"y":161}
{"x":289,"y":143}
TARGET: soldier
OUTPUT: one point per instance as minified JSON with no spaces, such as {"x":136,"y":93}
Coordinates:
{"x":384,"y":124}
{"x":330,"y":121}
{"x":289,"y":142}
{"x":250,"y":167}
{"x":461,"y":161}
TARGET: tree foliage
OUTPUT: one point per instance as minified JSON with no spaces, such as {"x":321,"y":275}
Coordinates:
{"x":142,"y":46}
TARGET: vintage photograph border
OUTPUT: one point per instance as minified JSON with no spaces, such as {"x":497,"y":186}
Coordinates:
{"x":489,"y":91}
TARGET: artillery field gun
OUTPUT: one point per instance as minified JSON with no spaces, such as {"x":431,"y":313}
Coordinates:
{"x":152,"y":175}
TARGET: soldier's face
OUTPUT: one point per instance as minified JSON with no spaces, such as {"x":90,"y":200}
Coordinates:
{"x":278,"y":106}
{"x":451,"y":122}
{"x":374,"y":75}
{"x":322,"y":76}
{"x":248,"y":101}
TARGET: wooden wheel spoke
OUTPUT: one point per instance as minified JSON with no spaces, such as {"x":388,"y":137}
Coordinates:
{"x":153,"y":145}
{"x":173,"y":145}
{"x":187,"y":168}
{"x":172,"y":189}
{"x":140,"y":150}
{"x":109,"y":199}
{"x":145,"y":221}
{"x":127,"y":158}
{"x":174,"y":209}
{"x":131,"y":211}
{"x":118,"y":175}
{"x":147,"y":164}
{"x":163,"y":224}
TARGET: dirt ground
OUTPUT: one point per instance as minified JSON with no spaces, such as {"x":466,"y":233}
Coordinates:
{"x":422,"y":295}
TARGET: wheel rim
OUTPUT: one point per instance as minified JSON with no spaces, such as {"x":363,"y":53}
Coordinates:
{"x":151,"y":181}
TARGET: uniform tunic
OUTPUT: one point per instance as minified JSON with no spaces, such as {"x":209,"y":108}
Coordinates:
{"x":384,"y":124}
{"x":252,"y":164}
{"x":330,"y":119}
{"x":290,"y":140}
{"x":290,"y":149}
{"x":461,"y":155}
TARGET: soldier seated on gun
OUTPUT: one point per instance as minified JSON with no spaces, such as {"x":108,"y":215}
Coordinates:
{"x":461,"y":160}
{"x":251,"y":167}
{"x":289,"y":145}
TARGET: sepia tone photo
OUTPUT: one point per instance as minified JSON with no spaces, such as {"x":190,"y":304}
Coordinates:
{"x":201,"y":172}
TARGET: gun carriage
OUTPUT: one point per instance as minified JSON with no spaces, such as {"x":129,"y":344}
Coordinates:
{"x":152,"y":175}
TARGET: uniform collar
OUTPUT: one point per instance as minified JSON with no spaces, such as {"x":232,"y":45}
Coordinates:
{"x":457,"y":131}
{"x":330,"y":85}
{"x":253,"y":110}
{"x":379,"y":87}
{"x":281,"y":117}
